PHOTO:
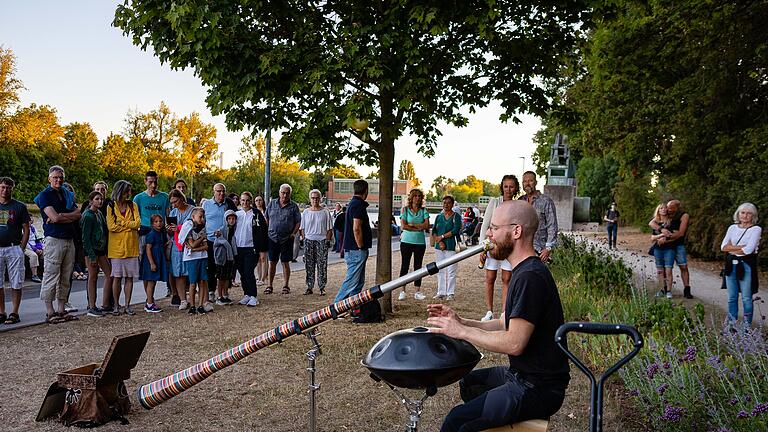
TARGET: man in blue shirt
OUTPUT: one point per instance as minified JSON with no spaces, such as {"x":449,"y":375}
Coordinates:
{"x":58,"y":210}
{"x":358,"y":239}
{"x":284,"y":219}
{"x":150,"y":202}
{"x":214,"y":223}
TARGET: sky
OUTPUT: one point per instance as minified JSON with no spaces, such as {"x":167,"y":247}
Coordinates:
{"x":69,"y":56}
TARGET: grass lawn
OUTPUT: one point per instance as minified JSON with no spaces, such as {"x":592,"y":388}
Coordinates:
{"x":268,"y":390}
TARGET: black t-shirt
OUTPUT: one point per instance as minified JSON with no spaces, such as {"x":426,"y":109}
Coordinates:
{"x":357,"y":210}
{"x":533,"y":296}
{"x":13,"y":215}
{"x":613,"y":215}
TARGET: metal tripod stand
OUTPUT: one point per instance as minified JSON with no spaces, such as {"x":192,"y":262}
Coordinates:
{"x":312,"y":354}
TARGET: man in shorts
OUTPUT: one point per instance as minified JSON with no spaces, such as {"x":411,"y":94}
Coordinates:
{"x":14,"y":235}
{"x":284,"y":220}
{"x":674,"y":238}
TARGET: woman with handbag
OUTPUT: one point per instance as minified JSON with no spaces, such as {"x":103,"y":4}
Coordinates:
{"x":740,"y":243}
{"x":444,"y":234}
{"x":663,"y":255}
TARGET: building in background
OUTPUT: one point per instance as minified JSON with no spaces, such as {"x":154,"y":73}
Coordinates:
{"x":341,"y":190}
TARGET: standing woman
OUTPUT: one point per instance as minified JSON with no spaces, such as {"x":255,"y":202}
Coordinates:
{"x":94,"y":234}
{"x":336,"y":234}
{"x":261,"y":241}
{"x":123,"y":222}
{"x":181,"y":211}
{"x":248,"y":220}
{"x":509,"y":188}
{"x":611,"y":220}
{"x":316,"y":230}
{"x":447,"y":227}
{"x":663,"y":255}
{"x":740,"y":243}
{"x":414,"y":221}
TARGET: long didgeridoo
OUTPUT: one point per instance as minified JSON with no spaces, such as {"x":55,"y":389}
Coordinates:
{"x":153,"y":394}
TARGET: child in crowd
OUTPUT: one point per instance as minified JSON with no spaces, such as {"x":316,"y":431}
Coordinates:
{"x":34,"y":251}
{"x":153,"y":263}
{"x":224,"y":251}
{"x":94,"y":231}
{"x":196,"y":258}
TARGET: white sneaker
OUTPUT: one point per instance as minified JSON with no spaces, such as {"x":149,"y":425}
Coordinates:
{"x":418,"y":295}
{"x":212,"y":296}
{"x":208,"y":306}
{"x":402,"y":296}
{"x":69,"y":308}
{"x":488,"y":316}
{"x":244,"y":301}
{"x":450,"y":297}
{"x":183,"y":305}
{"x":253,"y":301}
{"x":669,"y":295}
{"x":439,"y":297}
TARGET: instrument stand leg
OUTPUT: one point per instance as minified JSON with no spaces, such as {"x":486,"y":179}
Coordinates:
{"x":414,"y":407}
{"x":312,"y":354}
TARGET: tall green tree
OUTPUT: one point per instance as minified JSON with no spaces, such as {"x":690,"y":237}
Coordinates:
{"x":343,"y":171}
{"x":407,"y":172}
{"x":197,"y":144}
{"x":10,"y":85}
{"x":325,"y":71}
{"x":81,"y":158}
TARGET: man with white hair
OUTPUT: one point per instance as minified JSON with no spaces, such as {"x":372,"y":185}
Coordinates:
{"x":284,"y":220}
{"x":214,"y":224}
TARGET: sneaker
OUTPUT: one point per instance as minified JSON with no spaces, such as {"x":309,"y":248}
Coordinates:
{"x":184,"y":305}
{"x":661,"y":293}
{"x":117,"y":310}
{"x":402,"y":296}
{"x":107,"y":309}
{"x":168,"y":294}
{"x":418,"y":295}
{"x":244,"y":301}
{"x":36,"y":279}
{"x":69,"y":308}
{"x":227,"y":301}
{"x":220,"y":301}
{"x":208,"y":306}
{"x":175,"y":301}
{"x":201,"y":310}
{"x":669,"y":295}
{"x":450,"y":297}
{"x":152,"y":308}
{"x":129,"y":311}
{"x":487,"y":317}
{"x":192,"y":311}
{"x":439,"y":297}
{"x":253,"y":301}
{"x":212,"y":296}
{"x":95,"y":312}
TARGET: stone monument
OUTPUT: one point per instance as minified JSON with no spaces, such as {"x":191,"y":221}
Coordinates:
{"x":561,"y":182}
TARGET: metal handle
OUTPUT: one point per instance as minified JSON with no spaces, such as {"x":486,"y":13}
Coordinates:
{"x":599,"y":329}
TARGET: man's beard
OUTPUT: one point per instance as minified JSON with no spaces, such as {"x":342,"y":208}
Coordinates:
{"x":529,"y":190}
{"x":503,"y":249}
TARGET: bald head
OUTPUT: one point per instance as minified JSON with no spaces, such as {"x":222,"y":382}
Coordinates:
{"x":517,"y":212}
{"x":673,"y":207}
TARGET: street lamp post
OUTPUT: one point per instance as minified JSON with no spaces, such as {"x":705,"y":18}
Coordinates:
{"x":523,"y":158}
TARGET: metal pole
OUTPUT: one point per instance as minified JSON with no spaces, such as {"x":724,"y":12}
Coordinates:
{"x":267,"y":167}
{"x":312,"y":355}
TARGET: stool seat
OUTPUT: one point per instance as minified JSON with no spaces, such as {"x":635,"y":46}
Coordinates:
{"x":524,"y":426}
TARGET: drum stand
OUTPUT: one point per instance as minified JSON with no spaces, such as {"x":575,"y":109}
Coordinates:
{"x":312,"y":354}
{"x":414,"y":406}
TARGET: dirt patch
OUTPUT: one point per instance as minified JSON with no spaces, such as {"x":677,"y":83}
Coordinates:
{"x":268,"y":390}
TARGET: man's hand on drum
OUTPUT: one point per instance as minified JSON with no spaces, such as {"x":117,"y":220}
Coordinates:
{"x":444,"y":320}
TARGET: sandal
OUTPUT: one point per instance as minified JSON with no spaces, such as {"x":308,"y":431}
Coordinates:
{"x":268,"y":290}
{"x":13,"y":318}
{"x":68,"y":317}
{"x":54,"y":319}
{"x":307,"y":292}
{"x":286,"y":290}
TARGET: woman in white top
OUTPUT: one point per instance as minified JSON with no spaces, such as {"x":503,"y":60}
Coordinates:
{"x":509,"y":188}
{"x":741,"y":242}
{"x":316,"y":231}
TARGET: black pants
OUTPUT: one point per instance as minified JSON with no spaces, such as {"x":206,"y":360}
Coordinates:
{"x":211,"y":268}
{"x":247,"y":258}
{"x":406,"y":250}
{"x":496,"y":397}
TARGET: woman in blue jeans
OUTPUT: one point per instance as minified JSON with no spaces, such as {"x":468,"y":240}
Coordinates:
{"x":740,"y":243}
{"x":663,"y":255}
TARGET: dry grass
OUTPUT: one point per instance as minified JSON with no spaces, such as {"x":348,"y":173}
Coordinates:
{"x":268,"y":390}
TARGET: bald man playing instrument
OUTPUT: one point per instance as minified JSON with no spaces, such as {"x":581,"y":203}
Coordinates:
{"x":533,"y":386}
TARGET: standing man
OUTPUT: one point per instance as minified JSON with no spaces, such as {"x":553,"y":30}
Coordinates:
{"x":284,"y":220}
{"x":674,"y":237}
{"x":358,"y":239}
{"x":150,"y":202}
{"x":546,"y":235}
{"x":14,"y":235}
{"x":611,"y":219}
{"x":59,"y":213}
{"x":533,"y":385}
{"x":214,"y":224}
{"x":316,"y":233}
{"x":336,"y":233}
{"x":509,"y":189}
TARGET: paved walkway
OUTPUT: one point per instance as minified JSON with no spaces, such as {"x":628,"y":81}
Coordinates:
{"x":32,"y":310}
{"x":705,"y":285}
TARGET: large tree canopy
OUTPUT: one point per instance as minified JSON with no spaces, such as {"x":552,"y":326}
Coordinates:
{"x":347,"y":78}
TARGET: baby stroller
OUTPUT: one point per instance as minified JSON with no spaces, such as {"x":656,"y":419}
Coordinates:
{"x":471,"y":232}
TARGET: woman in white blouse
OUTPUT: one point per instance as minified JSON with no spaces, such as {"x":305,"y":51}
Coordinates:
{"x":741,"y":243}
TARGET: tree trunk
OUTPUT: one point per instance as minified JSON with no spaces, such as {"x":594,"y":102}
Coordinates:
{"x":386,"y":152}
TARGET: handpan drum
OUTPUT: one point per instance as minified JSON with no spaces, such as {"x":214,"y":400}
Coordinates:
{"x":419,"y":359}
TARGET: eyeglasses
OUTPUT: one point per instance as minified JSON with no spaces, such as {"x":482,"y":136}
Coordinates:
{"x":315,"y":197}
{"x":219,"y":190}
{"x":498,"y":227}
